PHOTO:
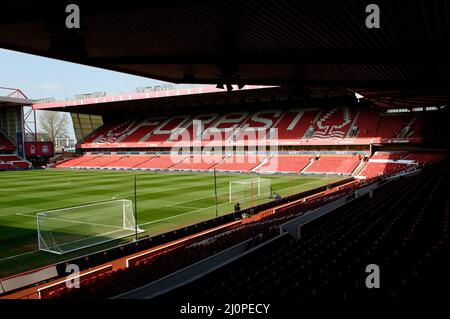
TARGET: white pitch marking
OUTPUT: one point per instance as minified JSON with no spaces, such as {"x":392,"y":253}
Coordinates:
{"x":18,"y":255}
{"x":197,"y":210}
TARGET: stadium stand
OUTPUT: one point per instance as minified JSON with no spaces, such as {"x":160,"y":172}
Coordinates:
{"x":294,"y":123}
{"x":290,"y":125}
{"x":112,"y":132}
{"x":334,"y":123}
{"x":6,"y":143}
{"x":12,"y":162}
{"x":74,"y":162}
{"x":239,"y":163}
{"x":380,"y":163}
{"x":161,"y":161}
{"x":130,"y":161}
{"x":199,"y":163}
{"x":424,"y":158}
{"x":391,"y":126}
{"x":340,"y":164}
{"x":374,"y":169}
{"x":388,"y":155}
{"x":101,"y":161}
{"x":257,"y":125}
{"x":6,"y":166}
{"x":9,"y":158}
{"x":284,"y":164}
{"x":367,"y":123}
{"x":403,"y":228}
{"x":413,"y":129}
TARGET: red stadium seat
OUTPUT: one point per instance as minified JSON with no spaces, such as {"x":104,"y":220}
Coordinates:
{"x":334,"y":164}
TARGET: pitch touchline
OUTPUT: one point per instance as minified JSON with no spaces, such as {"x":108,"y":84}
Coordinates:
{"x":18,"y":255}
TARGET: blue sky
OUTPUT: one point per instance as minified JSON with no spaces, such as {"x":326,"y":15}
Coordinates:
{"x":40,"y":78}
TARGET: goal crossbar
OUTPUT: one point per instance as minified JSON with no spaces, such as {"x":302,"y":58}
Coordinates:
{"x":68,"y":229}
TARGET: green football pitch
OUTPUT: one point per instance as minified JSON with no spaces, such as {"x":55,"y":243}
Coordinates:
{"x":165,"y":201}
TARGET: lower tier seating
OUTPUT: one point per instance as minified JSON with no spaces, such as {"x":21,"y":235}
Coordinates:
{"x":161,"y":162}
{"x":12,"y":162}
{"x":334,"y":164}
{"x":239,"y":162}
{"x":388,"y":155}
{"x":285,"y":164}
{"x":402,"y":228}
{"x":424,"y":158}
{"x":373,"y":169}
{"x":5,"y":143}
{"x":130,"y":161}
{"x":201,"y":163}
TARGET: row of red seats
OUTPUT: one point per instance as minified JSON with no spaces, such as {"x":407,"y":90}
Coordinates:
{"x":325,"y":164}
{"x":334,"y":164}
{"x":373,"y":169}
{"x":424,"y":158}
{"x":12,"y":162}
{"x":201,"y":163}
{"x":334,"y":123}
{"x":285,"y":163}
{"x":371,"y":124}
{"x":389,"y":155}
{"x":288,"y":163}
{"x":5,"y":143}
{"x":292,"y":124}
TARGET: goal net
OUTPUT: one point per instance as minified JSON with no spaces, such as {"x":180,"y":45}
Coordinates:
{"x":242,"y":190}
{"x":68,"y":229}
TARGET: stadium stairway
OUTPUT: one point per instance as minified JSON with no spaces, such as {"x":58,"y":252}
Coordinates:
{"x":350,"y":133}
{"x":359,"y":168}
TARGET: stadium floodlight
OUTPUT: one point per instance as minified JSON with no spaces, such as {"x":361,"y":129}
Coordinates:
{"x":251,"y":188}
{"x":61,"y":231}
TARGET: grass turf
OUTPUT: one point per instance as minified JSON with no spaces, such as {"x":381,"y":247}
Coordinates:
{"x":165,"y":201}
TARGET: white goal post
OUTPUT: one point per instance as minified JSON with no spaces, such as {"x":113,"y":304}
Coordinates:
{"x":244,"y":189}
{"x":64,"y":230}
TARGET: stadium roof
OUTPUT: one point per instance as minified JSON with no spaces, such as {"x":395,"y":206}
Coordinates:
{"x":312,"y":43}
{"x":210,"y":96}
{"x":157,"y":100}
{"x":13,"y":98}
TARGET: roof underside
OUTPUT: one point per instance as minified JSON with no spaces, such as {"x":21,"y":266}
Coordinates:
{"x":322,"y":43}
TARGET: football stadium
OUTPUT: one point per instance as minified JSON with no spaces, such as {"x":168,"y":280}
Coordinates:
{"x":307,"y":159}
